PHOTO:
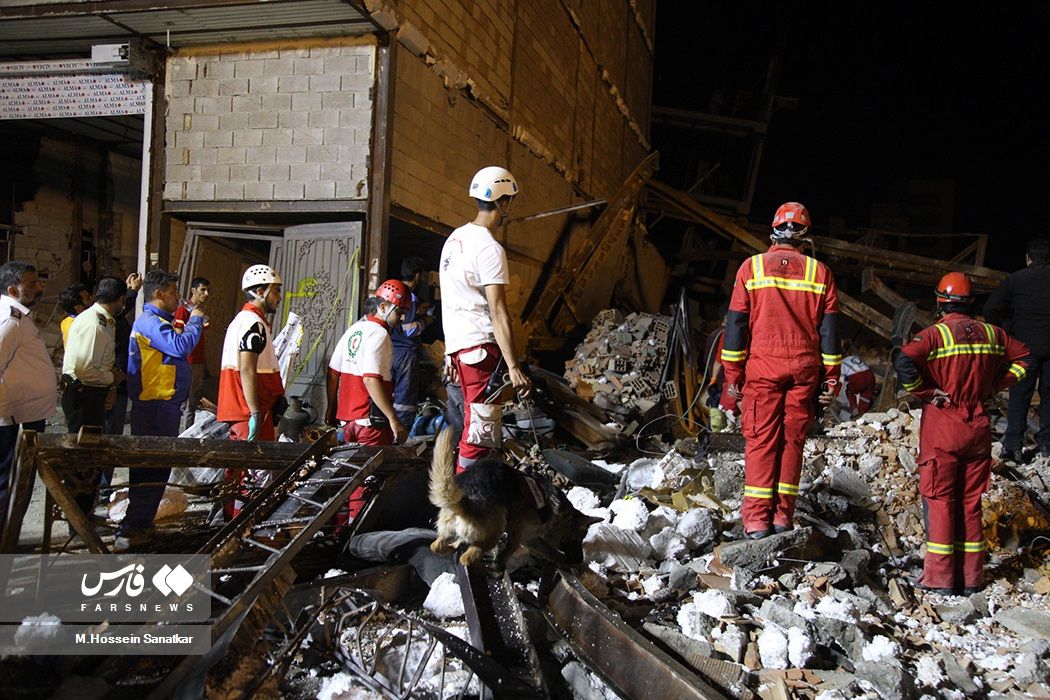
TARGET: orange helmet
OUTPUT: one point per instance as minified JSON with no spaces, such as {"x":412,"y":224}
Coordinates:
{"x":955,"y":287}
{"x":395,"y":292}
{"x":791,"y":220}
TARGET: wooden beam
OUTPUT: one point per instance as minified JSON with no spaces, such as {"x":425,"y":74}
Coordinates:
{"x":892,"y":258}
{"x":626,"y":197}
{"x":76,"y":517}
{"x":869,"y":282}
{"x":682,"y":202}
{"x":864,"y":314}
{"x":20,"y":490}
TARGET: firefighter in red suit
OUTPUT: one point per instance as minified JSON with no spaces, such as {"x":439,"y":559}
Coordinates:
{"x":781,"y":345}
{"x":954,"y":367}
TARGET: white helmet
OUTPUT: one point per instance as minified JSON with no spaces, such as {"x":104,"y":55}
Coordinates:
{"x":259,"y":275}
{"x":491,"y":183}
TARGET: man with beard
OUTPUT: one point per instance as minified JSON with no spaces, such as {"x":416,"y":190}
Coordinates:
{"x":27,"y":378}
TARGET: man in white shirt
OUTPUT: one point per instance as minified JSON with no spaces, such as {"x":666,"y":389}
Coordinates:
{"x":479,"y":340}
{"x":27,"y":377}
{"x":90,"y":373}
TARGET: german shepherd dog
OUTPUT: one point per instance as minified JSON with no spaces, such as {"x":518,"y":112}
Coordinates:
{"x":480,"y":504}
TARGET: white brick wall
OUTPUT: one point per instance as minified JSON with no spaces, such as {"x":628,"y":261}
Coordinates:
{"x":275,"y":125}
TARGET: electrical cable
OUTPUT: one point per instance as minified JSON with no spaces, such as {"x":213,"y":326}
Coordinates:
{"x":708,"y":363}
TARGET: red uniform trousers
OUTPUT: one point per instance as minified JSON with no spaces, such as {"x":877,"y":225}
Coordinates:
{"x":860,"y":390}
{"x":363,"y":435}
{"x":776,"y":412}
{"x":234,"y":479}
{"x":474,"y":379}
{"x":955,"y":446}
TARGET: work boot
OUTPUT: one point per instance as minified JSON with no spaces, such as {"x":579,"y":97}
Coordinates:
{"x":758,"y":534}
{"x":777,"y":529}
{"x":971,"y":590}
{"x":1012,"y":456}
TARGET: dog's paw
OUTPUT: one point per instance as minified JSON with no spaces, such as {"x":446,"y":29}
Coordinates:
{"x":440,"y":546}
{"x":470,"y":556}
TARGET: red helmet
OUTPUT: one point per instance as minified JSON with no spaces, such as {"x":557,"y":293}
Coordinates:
{"x":791,"y":212}
{"x":395,"y":292}
{"x":955,"y":287}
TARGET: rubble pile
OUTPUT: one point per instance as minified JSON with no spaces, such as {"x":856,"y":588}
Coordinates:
{"x":619,"y":364}
{"x":828,"y":610}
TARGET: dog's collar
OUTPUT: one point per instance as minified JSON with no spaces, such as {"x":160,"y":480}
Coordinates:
{"x":532,"y":490}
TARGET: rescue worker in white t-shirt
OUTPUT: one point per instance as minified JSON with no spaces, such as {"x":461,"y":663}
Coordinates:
{"x":479,"y":340}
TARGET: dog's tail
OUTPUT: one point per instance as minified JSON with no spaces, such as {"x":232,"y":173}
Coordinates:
{"x":444,"y":491}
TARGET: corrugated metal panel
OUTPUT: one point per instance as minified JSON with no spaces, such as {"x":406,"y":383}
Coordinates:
{"x":74,"y":35}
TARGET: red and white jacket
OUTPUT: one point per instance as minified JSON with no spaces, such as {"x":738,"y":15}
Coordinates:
{"x":248,"y":332}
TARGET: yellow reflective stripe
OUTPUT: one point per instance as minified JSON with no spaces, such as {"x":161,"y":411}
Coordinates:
{"x":831,"y":360}
{"x":967,"y":349}
{"x":912,"y":386}
{"x":758,"y":492}
{"x":759,"y":279}
{"x":970,"y":546}
{"x":782,"y":283}
{"x":939,"y":548}
{"x":733,"y":355}
{"x":1018,"y":371}
{"x":950,"y":348}
{"x":788,"y":489}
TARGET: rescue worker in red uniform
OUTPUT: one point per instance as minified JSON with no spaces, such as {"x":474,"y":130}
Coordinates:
{"x":955,"y":366}
{"x":781,"y":345}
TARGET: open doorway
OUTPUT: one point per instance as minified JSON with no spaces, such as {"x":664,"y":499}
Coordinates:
{"x":320,"y":266}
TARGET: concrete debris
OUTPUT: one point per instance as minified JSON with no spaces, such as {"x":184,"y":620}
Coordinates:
{"x":615,"y":549}
{"x":837,"y":591}
{"x":172,"y":503}
{"x":444,"y":599}
{"x":618,"y":365}
{"x":629,"y":514}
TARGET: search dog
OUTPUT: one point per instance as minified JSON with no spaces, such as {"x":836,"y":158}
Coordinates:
{"x":477,"y":506}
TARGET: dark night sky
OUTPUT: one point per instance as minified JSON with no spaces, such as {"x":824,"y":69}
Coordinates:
{"x":884,"y":95}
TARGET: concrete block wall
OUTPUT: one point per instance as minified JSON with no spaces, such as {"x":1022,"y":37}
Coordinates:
{"x":270,"y":122}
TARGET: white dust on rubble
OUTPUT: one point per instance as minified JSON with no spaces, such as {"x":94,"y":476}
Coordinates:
{"x":172,"y":503}
{"x":445,"y":599}
{"x":861,"y":479}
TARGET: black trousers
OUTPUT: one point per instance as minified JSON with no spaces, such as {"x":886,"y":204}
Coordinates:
{"x":84,"y":405}
{"x":1021,"y":399}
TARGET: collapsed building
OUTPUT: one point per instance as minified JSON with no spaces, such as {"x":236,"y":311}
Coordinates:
{"x":329,"y":139}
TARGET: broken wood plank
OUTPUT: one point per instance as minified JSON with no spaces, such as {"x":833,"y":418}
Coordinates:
{"x":854,"y":308}
{"x":870,"y":282}
{"x":624,"y":199}
{"x":63,"y":450}
{"x":20,"y":488}
{"x":982,"y":276}
{"x":76,"y":517}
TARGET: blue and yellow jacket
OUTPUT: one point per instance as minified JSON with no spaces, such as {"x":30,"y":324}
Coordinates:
{"x":157,"y":366}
